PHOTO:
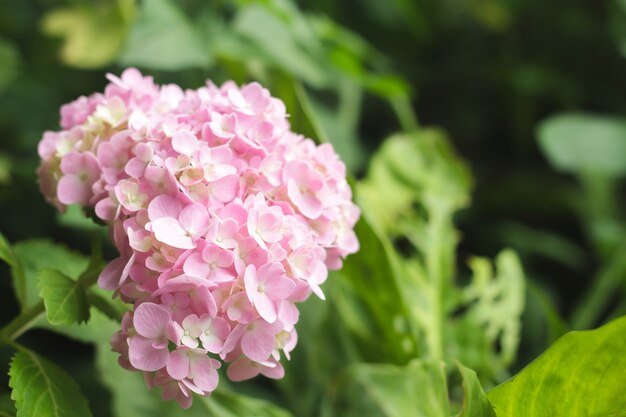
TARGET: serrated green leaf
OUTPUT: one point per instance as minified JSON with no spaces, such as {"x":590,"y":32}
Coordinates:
{"x":37,"y":254}
{"x":580,"y":143}
{"x":42,"y":389}
{"x":7,"y":407}
{"x":65,"y":299}
{"x":163,"y":38}
{"x":582,"y":374}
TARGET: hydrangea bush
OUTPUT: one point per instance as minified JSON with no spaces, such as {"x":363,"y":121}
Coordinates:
{"x":223,"y":217}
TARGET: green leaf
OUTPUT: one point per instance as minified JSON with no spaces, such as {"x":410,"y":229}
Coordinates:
{"x":9,"y":60}
{"x":42,"y":389}
{"x":284,"y":43}
{"x":37,"y":254}
{"x":7,"y":254}
{"x":164,"y":38}
{"x":65,"y":299}
{"x":475,"y":402}
{"x":582,"y":374}
{"x":493,"y":304}
{"x":226,"y":403}
{"x":93,"y":33}
{"x":418,"y":389}
{"x":7,"y":407}
{"x":578,"y":142}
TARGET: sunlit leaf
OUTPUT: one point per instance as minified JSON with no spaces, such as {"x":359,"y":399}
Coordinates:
{"x":582,"y":374}
{"x":42,"y":389}
{"x":226,"y":403}
{"x":580,"y":143}
{"x":93,"y":33}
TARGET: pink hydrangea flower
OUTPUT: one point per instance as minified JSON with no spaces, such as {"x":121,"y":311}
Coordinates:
{"x":223,"y":217}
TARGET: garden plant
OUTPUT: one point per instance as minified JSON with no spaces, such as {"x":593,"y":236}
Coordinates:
{"x":283,"y":209}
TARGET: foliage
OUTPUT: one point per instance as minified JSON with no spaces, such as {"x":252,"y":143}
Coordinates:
{"x":415,"y":323}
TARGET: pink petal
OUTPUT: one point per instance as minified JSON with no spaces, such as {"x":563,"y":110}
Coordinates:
{"x":72,"y":189}
{"x":243,"y":369}
{"x":194,"y":219}
{"x":203,"y":372}
{"x":184,"y":142}
{"x":163,"y":206}
{"x":167,"y":230}
{"x":196,"y":266}
{"x":265,"y":306}
{"x":279,"y":287}
{"x":143,"y":356}
{"x":225,"y":189}
{"x":257,"y":345}
{"x":150,"y":320}
{"x":110,"y":276}
{"x":178,"y":364}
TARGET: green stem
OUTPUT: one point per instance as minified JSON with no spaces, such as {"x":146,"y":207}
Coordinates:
{"x":21,"y":323}
{"x":404,"y":112}
{"x":437,"y":280}
{"x":604,"y":286}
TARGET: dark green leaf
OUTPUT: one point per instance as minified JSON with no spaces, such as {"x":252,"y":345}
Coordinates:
{"x":7,"y":254}
{"x":9,"y":60}
{"x":65,"y":299}
{"x":582,"y":374}
{"x":35,"y":255}
{"x":42,"y":389}
{"x":7,"y":407}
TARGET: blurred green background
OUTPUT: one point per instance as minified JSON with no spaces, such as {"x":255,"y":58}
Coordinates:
{"x":531,"y":94}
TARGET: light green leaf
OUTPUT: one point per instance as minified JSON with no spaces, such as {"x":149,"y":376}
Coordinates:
{"x":282,"y":42}
{"x":418,"y":389}
{"x":226,"y":403}
{"x":475,"y":402}
{"x":582,"y":374}
{"x":493,"y":304}
{"x":7,"y":407}
{"x":75,"y":217}
{"x":93,"y":33}
{"x":65,"y":299}
{"x":578,"y":143}
{"x":42,"y":389}
{"x":37,"y":254}
{"x":164,"y":38}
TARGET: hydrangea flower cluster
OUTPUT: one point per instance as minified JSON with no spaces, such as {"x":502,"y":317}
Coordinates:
{"x":224,"y":219}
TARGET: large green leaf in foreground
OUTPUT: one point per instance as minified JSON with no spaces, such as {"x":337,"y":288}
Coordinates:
{"x":582,"y":374}
{"x":42,"y":389}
